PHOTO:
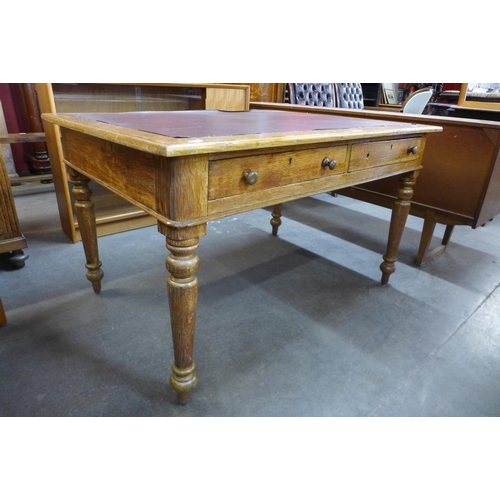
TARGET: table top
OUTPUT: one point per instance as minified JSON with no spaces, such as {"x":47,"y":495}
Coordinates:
{"x":180,"y":133}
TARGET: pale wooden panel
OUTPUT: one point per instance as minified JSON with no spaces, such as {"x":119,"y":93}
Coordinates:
{"x":228,"y":99}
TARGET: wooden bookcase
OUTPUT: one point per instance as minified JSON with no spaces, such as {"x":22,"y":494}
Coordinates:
{"x":112,"y":213}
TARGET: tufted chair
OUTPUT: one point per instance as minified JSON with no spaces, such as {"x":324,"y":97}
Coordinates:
{"x":349,"y":95}
{"x":307,"y":94}
{"x":312,"y":94}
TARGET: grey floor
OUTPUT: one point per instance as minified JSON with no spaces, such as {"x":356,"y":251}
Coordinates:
{"x":296,"y":325}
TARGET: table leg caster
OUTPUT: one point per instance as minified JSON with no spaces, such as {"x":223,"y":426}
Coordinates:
{"x":18,"y":258}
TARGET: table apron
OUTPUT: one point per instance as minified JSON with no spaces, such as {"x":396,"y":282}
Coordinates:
{"x":188,"y":191}
{"x":264,"y":198}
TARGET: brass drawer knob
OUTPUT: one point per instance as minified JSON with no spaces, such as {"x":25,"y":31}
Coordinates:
{"x":413,"y":150}
{"x":331,"y":164}
{"x":250,"y":177}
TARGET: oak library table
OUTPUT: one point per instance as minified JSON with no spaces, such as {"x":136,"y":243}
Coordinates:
{"x":187,"y":168}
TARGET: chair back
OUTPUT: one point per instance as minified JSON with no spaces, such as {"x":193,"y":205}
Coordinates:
{"x":349,"y":95}
{"x":416,"y":102}
{"x":312,"y":94}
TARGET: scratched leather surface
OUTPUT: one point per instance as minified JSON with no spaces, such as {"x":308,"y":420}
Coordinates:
{"x":187,"y":124}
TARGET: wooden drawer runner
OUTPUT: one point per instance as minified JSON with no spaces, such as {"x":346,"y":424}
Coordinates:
{"x":373,"y":154}
{"x":227,"y":176}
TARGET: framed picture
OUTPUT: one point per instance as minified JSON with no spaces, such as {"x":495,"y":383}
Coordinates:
{"x":480,"y":95}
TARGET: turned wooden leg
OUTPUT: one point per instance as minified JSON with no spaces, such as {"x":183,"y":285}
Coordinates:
{"x":18,"y":258}
{"x":276,"y":220}
{"x":84,"y":208}
{"x":399,"y":215}
{"x":182,"y":284}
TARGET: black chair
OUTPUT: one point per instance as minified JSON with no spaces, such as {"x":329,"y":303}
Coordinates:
{"x":349,"y":95}
{"x":312,"y":94}
{"x":330,"y":95}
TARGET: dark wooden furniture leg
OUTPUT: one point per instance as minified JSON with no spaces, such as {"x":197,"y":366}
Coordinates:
{"x":12,"y":240}
{"x":447,"y":235}
{"x":3,"y":316}
{"x":276,"y":220}
{"x":36,"y":154}
{"x":399,"y":215}
{"x":84,"y":208}
{"x":182,"y":285}
{"x":424,"y":254}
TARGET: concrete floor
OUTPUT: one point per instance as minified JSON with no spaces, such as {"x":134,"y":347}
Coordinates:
{"x":296,"y":325}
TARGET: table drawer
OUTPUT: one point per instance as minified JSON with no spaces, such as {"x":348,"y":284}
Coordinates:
{"x":373,"y":154}
{"x":229,"y":177}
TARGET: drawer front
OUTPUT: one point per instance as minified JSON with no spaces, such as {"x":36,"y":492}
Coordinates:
{"x":229,"y":177}
{"x":374,"y":154}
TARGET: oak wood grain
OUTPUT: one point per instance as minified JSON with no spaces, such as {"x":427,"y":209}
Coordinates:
{"x":184,"y":183}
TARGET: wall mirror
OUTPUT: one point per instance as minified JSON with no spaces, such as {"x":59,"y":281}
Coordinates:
{"x":480,"y":95}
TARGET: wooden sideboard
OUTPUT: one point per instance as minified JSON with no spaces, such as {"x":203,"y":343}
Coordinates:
{"x":460,"y":181}
{"x":114,"y":214}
